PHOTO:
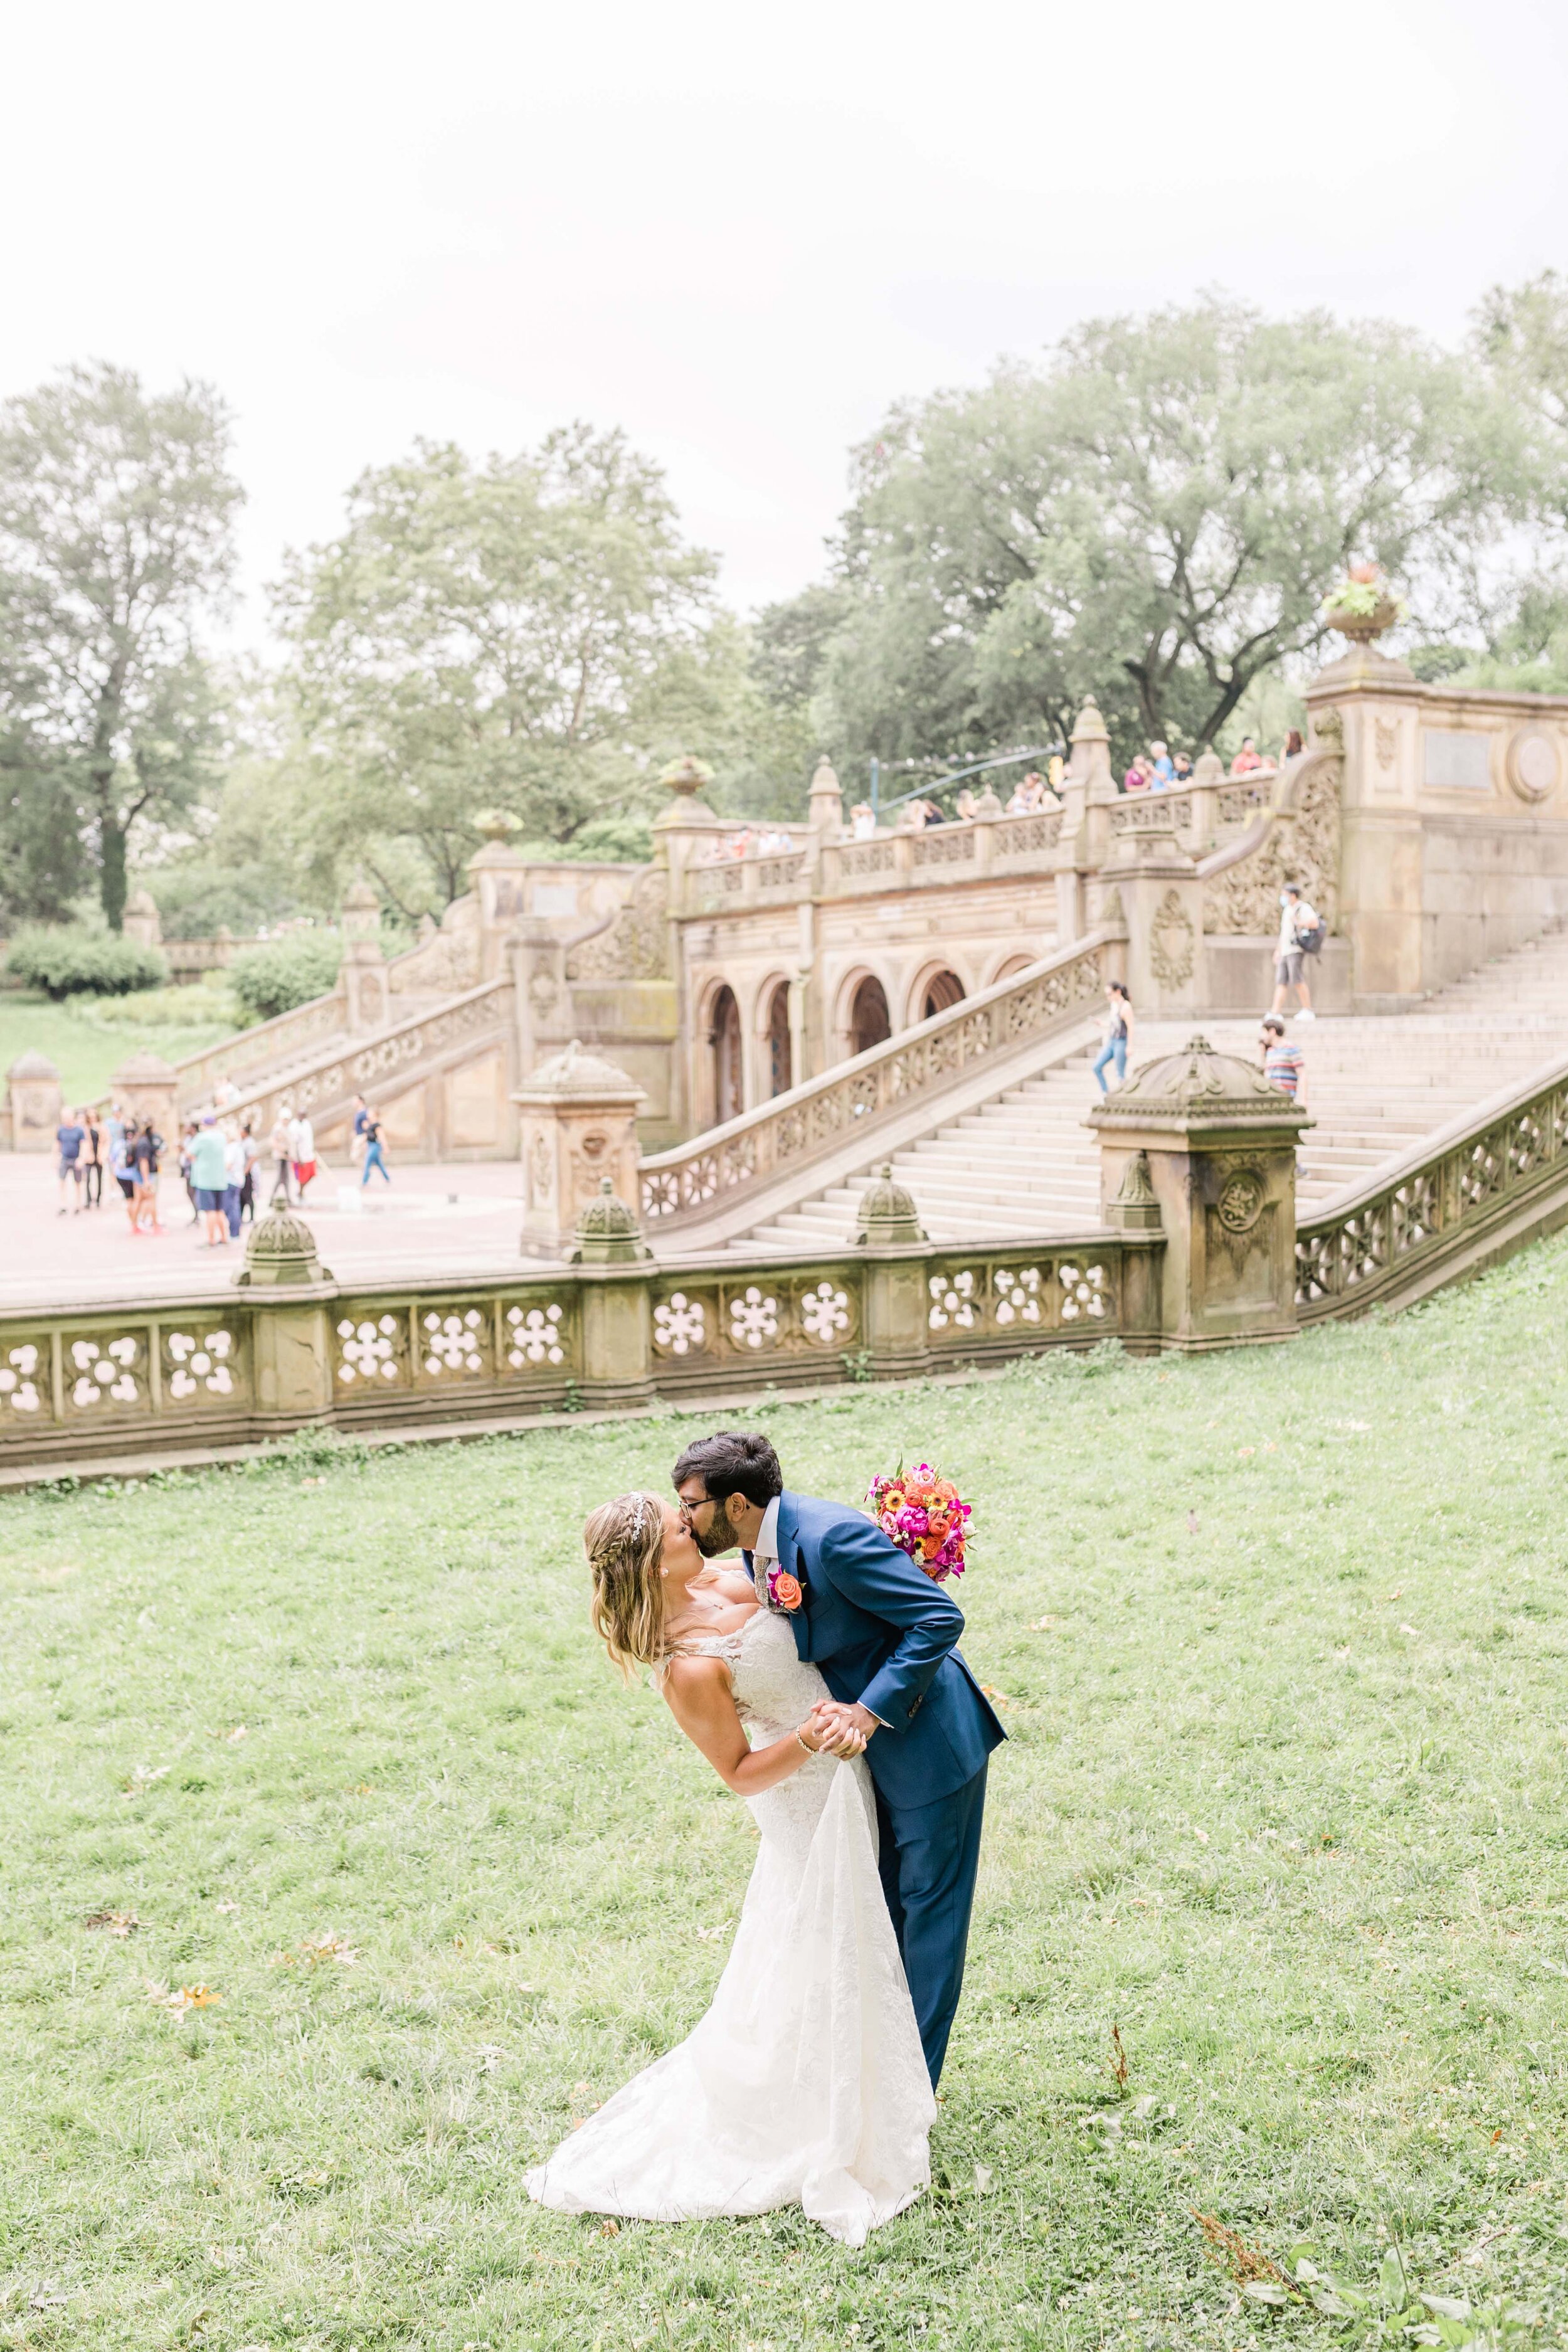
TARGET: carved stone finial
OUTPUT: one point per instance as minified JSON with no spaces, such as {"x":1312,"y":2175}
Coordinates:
{"x":1135,"y":1208}
{"x":889,"y":1217}
{"x":607,"y":1232}
{"x":281,"y":1251}
{"x":1090,"y":726}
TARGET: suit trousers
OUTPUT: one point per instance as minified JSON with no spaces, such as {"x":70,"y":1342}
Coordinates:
{"x":928,"y":1856}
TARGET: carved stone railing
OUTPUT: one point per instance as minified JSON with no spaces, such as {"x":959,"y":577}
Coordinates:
{"x":268,"y":1045}
{"x":237,"y":1366}
{"x":1485,"y":1183}
{"x":851,"y":1101}
{"x":323,"y":1088}
{"x":1151,"y":811}
{"x":1295,"y":838}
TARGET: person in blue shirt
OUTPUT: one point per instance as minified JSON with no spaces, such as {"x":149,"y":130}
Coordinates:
{"x":70,"y":1136}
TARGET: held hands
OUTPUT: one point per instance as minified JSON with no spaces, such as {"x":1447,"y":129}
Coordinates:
{"x":827,"y":1731}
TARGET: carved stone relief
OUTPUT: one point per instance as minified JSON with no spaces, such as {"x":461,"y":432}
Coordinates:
{"x":1171,"y":944}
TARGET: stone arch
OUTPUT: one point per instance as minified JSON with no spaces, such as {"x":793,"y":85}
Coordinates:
{"x":937,"y":988}
{"x":775,"y":1046}
{"x":864,"y":1014}
{"x":726,"y":1084}
{"x":1010,"y":966}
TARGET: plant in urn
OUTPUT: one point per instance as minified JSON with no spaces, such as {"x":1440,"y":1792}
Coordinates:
{"x":1361,"y":606}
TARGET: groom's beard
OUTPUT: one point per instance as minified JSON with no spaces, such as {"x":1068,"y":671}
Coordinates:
{"x":721,"y":1536}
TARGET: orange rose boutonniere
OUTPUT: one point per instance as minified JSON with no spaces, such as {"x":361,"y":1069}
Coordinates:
{"x":783,"y":1590}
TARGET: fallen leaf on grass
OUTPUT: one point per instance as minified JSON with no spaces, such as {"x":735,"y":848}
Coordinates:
{"x":314,"y":1949}
{"x":709,"y":1935}
{"x":998,"y":1698}
{"x":119,"y":1923}
{"x":982,"y":2178}
{"x":225,"y":1906}
{"x":184,"y":1997}
{"x":1044,"y":1625}
{"x":142,"y":1776}
{"x":1410,"y":1629}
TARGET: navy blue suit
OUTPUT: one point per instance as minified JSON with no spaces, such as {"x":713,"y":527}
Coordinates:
{"x":881,"y":1634}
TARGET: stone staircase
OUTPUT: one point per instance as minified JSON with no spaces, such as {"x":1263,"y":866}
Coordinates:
{"x":1024,"y":1164}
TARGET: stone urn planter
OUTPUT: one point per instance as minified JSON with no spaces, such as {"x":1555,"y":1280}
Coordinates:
{"x":1362,"y":628}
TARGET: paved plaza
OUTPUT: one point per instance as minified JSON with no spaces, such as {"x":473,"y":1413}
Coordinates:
{"x":457,"y":1220}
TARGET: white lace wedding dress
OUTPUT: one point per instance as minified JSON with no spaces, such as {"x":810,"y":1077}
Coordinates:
{"x":805,"y":2084}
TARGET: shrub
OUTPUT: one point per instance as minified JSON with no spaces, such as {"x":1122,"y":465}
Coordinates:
{"x":84,"y":963}
{"x":275,"y":979}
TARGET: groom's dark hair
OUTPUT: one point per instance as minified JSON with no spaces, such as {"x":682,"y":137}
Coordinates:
{"x":734,"y":1462}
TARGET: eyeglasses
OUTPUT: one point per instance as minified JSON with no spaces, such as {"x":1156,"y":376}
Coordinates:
{"x":690,"y":1510}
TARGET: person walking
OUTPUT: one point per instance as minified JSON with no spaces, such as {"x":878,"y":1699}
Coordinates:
{"x":1297,"y":922}
{"x":121,"y":1136}
{"x":144,"y":1155}
{"x":248,"y":1183}
{"x":70,"y":1136}
{"x":209,"y":1177}
{"x":1119,"y":1018}
{"x":233,"y":1176}
{"x":188,"y":1134}
{"x":1284,"y":1064}
{"x":374,"y":1155}
{"x":357,"y":1148}
{"x":92,"y":1161}
{"x":278,"y":1144}
{"x":302,"y":1151}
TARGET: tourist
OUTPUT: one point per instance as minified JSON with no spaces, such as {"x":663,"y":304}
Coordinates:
{"x":1162,"y":770}
{"x":188,"y":1133}
{"x":225,"y":1094}
{"x":967,"y":806}
{"x":1119,"y":1025}
{"x":1181,"y":769}
{"x":122,"y":1135}
{"x":302,"y":1151}
{"x":1297,"y":921}
{"x":1139,"y":776}
{"x":92,"y":1161}
{"x":1055,"y":774}
{"x":278,"y":1144}
{"x":862,"y":821}
{"x":933,"y":813}
{"x":1283,"y":1065}
{"x":208,"y":1178}
{"x":1246,"y":760}
{"x":356,"y":1140}
{"x":373,"y":1152}
{"x":143,"y":1154}
{"x":1018,"y":801}
{"x":70,"y":1136}
{"x":233,"y":1176}
{"x":247,"y":1185}
{"x":1293,"y":746}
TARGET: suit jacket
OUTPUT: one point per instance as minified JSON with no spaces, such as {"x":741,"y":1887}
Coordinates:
{"x":880,"y":1632}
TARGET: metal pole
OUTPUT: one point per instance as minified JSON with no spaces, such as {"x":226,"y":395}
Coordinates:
{"x":876,"y":785}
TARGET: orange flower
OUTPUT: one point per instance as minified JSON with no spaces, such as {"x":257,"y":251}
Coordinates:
{"x":783,"y":1590}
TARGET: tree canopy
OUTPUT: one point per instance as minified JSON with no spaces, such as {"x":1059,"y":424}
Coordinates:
{"x":1153,"y":516}
{"x":116,"y":513}
{"x":525,"y":634}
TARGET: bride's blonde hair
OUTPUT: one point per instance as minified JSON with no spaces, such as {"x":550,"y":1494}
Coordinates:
{"x":625,"y":1541}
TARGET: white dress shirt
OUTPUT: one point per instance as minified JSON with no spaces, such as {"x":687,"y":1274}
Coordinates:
{"x":766,"y":1551}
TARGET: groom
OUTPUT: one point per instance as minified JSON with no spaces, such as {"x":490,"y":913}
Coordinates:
{"x":881,"y":1635}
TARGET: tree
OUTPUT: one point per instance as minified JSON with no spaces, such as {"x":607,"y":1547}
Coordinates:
{"x":1154,"y":516}
{"x":116,"y":514}
{"x":503,"y":635}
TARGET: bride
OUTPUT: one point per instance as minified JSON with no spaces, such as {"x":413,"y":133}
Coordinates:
{"x":806,"y":2082}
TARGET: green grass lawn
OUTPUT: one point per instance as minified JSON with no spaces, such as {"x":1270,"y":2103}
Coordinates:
{"x":1280,"y":1637}
{"x":88,"y":1038}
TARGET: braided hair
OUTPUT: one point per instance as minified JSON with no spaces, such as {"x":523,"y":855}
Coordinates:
{"x":625,"y":1541}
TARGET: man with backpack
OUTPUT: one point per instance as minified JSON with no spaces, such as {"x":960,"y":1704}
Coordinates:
{"x":1301,"y":934}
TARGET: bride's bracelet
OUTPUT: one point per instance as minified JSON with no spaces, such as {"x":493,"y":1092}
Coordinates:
{"x":805,"y":1743}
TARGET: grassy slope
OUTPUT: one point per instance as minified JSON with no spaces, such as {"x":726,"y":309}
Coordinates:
{"x":1284,"y":1801}
{"x":87,"y":1050}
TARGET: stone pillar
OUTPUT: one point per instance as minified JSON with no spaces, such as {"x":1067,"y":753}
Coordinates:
{"x":1208,"y":776}
{"x":613,"y":1300}
{"x":497,"y":876}
{"x":827,"y":803}
{"x":1217,"y":1147}
{"x":541,"y":999}
{"x":33,"y":1086}
{"x":1088,"y":789}
{"x":895,"y":1332}
{"x":579,"y":1125}
{"x":145,"y":1089}
{"x":363,"y":975}
{"x":292,"y":1330}
{"x":141,"y":922}
{"x":1161,"y":899}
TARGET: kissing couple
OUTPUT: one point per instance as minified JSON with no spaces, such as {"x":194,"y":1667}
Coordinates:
{"x":820,"y":1680}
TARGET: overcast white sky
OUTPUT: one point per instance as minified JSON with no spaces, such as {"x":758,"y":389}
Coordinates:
{"x":739,"y":232}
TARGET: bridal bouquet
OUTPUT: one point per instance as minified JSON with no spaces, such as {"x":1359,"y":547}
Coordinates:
{"x":921,"y":1512}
